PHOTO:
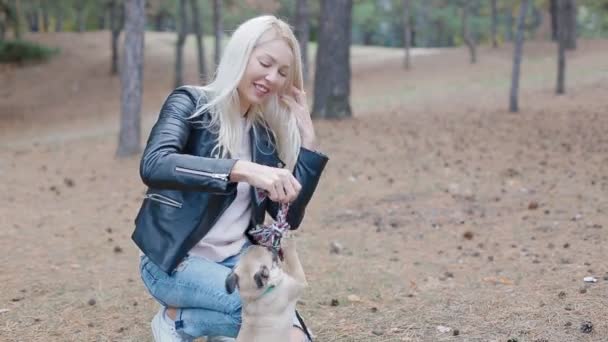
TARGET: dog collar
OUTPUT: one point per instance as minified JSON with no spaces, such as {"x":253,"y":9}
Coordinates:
{"x":268,"y":290}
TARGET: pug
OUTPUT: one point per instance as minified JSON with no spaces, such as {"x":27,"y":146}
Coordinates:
{"x":269,"y":289}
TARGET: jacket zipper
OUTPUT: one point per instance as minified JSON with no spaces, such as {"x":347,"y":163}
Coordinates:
{"x":164,"y":200}
{"x":221,"y":176}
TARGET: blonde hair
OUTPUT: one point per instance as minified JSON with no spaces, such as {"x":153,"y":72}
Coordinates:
{"x":222,"y":98}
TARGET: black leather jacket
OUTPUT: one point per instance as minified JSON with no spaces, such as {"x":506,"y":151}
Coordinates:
{"x":188,"y":189}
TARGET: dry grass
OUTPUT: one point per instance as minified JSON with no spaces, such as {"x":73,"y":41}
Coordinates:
{"x":431,"y":155}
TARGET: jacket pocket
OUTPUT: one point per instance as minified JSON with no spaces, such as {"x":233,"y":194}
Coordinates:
{"x":163,"y":199}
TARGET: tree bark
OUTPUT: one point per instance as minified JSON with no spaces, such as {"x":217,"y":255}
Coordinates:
{"x":303,"y":34}
{"x":554,"y":19}
{"x":509,"y":25}
{"x":494,"y":24}
{"x":132,"y":78}
{"x":332,"y":72}
{"x":466,"y":34}
{"x":217,"y":30}
{"x":59,"y":13}
{"x":5,"y":17}
{"x":116,"y":25}
{"x":519,"y":42}
{"x":182,"y":23}
{"x":33,"y":19}
{"x":44,"y":8}
{"x":407,"y":33}
{"x":200,"y":46}
{"x":16,"y":5}
{"x":422,"y":25}
{"x":569,"y":20}
{"x":101,"y":16}
{"x":80,"y":19}
{"x":561,"y":47}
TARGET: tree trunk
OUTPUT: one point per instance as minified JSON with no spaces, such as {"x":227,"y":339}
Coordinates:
{"x":80,"y":19}
{"x":466,"y":34}
{"x":46,"y":23}
{"x":332,"y":72}
{"x":407,"y":34}
{"x":422,"y":25}
{"x":217,"y":30}
{"x":519,"y":43}
{"x":200,"y":46}
{"x":6,"y":15}
{"x":131,"y":78}
{"x":102,"y":16}
{"x":494,"y":24}
{"x":553,"y":12}
{"x":561,"y":47}
{"x":59,"y":13}
{"x":182,"y":24}
{"x":158,"y":21}
{"x":303,"y":34}
{"x":33,"y":20}
{"x":569,"y":21}
{"x":16,"y":18}
{"x":116,"y":25}
{"x":509,"y":24}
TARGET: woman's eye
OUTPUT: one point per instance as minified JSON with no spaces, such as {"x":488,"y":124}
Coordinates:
{"x":265,"y":65}
{"x":284,"y":74}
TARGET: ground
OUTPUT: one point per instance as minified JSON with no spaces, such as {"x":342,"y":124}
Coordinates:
{"x":449,"y":212}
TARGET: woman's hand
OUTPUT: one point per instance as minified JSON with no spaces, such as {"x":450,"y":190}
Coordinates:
{"x":298,"y":105}
{"x":280,"y":184}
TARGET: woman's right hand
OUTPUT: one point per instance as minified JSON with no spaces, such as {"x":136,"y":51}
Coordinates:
{"x":280,"y":185}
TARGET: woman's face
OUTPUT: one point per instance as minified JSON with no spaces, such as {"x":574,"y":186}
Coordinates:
{"x":266,"y":72}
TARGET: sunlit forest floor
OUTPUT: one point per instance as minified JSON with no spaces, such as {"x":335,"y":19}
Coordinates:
{"x":458,"y":220}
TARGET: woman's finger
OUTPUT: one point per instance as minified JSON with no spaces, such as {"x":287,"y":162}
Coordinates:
{"x":289,"y":101}
{"x":281,"y":193}
{"x":296,"y":185}
{"x":299,"y":95}
{"x":290,"y":192}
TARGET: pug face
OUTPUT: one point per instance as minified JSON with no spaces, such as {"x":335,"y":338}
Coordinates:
{"x":255,"y":272}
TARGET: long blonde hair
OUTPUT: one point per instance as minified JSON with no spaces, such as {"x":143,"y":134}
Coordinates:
{"x":222,"y":98}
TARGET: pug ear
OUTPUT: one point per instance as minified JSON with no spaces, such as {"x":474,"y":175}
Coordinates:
{"x":232,"y":282}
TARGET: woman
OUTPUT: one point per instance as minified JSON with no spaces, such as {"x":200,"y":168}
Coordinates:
{"x":218,"y":158}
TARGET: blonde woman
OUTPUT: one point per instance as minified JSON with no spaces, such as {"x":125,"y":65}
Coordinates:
{"x":218,"y":158}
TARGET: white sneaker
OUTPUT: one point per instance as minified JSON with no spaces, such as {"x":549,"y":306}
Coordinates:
{"x":163,"y":331}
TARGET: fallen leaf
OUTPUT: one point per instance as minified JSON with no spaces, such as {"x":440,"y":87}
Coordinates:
{"x":498,"y":280}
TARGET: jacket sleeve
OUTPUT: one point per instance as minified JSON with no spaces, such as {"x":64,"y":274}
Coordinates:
{"x":165,"y":166}
{"x":307,"y":171}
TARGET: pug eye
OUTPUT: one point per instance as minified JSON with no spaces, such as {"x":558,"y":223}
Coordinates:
{"x":265,"y":272}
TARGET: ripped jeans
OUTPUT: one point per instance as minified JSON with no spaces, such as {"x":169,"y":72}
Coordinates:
{"x":197,"y":289}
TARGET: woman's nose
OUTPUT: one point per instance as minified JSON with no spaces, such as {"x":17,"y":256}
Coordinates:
{"x":272,"y":76}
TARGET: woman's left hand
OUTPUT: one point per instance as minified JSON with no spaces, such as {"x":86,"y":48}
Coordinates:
{"x":298,"y":106}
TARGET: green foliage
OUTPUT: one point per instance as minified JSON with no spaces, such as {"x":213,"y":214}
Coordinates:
{"x":21,"y":51}
{"x":377,"y":22}
{"x":593,"y":19}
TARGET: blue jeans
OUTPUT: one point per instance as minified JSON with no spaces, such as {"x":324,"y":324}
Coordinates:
{"x":197,"y":289}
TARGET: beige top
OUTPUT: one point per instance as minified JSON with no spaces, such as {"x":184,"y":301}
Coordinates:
{"x":227,"y":236}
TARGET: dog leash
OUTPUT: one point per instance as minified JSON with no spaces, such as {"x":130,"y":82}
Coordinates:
{"x":270,"y":235}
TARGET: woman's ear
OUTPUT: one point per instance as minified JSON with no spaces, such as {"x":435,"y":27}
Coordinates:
{"x":232,"y":282}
